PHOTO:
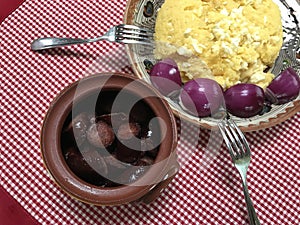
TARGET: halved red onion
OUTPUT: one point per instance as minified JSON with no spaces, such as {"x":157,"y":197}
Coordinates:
{"x":284,"y":88}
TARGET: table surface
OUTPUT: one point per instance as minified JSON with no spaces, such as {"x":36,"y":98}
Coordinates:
{"x":206,"y":190}
{"x":7,"y":7}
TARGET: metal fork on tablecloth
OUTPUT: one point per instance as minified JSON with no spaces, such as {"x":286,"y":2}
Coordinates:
{"x":240,"y":153}
{"x":127,"y":34}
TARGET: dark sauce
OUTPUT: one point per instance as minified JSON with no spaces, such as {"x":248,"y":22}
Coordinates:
{"x":98,"y":136}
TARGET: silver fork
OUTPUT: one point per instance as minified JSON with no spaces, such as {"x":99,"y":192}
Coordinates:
{"x":240,"y":153}
{"x":127,"y":34}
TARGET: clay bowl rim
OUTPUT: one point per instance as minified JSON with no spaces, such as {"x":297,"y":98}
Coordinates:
{"x":53,"y":158}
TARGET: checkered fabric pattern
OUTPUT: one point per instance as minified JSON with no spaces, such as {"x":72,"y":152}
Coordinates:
{"x":207,"y":189}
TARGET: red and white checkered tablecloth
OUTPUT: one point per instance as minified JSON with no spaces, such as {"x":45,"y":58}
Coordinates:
{"x":203,"y":192}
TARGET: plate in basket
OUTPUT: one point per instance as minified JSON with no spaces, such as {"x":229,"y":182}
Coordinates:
{"x":144,"y":12}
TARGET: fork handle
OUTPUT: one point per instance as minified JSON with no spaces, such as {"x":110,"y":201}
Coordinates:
{"x":53,"y":42}
{"x":250,"y":208}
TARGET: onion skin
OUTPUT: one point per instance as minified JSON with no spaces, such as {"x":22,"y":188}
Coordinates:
{"x":244,"y":100}
{"x":284,"y":88}
{"x":165,"y":76}
{"x":201,"y":97}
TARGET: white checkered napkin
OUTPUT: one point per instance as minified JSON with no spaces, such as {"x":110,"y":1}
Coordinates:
{"x":207,"y":190}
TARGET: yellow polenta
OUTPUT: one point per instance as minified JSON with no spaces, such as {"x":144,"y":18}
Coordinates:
{"x":231,"y":41}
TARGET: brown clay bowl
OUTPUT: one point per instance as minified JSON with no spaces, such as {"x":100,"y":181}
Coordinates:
{"x":145,"y":189}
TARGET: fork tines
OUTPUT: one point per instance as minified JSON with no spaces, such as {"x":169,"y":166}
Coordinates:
{"x":134,"y":34}
{"x":137,"y":29}
{"x":234,"y":139}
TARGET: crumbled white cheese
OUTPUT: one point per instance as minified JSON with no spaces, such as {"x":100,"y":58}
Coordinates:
{"x":256,"y":77}
{"x":195,"y":45}
{"x":224,"y":12}
{"x":184,"y":51}
{"x":227,"y":49}
{"x":235,"y":41}
{"x":188,"y":30}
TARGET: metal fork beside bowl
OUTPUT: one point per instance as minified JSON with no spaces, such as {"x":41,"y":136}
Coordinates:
{"x":126,"y":34}
{"x":239,"y":151}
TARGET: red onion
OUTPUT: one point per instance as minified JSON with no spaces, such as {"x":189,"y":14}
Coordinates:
{"x":201,"y":97}
{"x":284,"y":88}
{"x":244,"y":100}
{"x":165,"y":76}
